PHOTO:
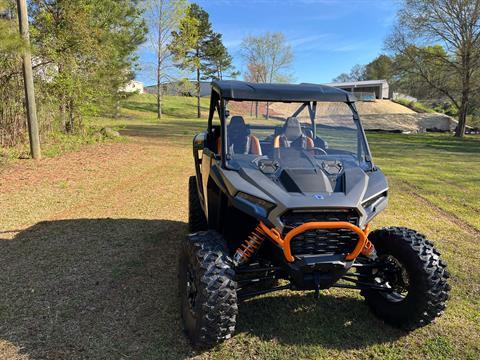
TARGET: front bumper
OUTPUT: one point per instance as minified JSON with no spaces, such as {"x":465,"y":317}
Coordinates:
{"x":284,"y":243}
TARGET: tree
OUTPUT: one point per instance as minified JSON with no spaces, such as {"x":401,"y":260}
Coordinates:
{"x":453,"y":24}
{"x":380,"y":68}
{"x":217,"y":59}
{"x":90,"y":46}
{"x":254,"y":74}
{"x":269,"y":55}
{"x":163,"y":17}
{"x":343,"y":77}
{"x":12,"y":121}
{"x":357,"y":73}
{"x":188,"y":44}
{"x":414,"y":64}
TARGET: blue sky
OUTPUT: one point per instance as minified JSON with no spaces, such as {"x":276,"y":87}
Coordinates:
{"x":328,"y":37}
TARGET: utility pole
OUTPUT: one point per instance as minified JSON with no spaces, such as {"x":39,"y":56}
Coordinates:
{"x":28,"y":81}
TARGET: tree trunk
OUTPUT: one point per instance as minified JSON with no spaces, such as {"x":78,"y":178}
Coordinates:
{"x":199,"y":113}
{"x":256,"y":109}
{"x":71,"y":117}
{"x":117,"y":108}
{"x":462,"y":116}
{"x":268,"y":111}
{"x":63,"y":113}
{"x":159,"y":65}
{"x":159,"y":94}
{"x":465,"y":102}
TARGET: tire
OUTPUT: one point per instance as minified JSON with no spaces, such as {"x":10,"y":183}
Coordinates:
{"x":207,"y":289}
{"x":427,"y":288}
{"x":196,"y":217}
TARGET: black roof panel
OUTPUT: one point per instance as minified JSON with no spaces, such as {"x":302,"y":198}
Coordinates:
{"x":240,"y":90}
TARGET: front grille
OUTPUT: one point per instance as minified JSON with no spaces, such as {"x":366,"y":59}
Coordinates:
{"x":321,"y":241}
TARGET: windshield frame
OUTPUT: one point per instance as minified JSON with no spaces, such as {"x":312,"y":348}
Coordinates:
{"x":219,"y":105}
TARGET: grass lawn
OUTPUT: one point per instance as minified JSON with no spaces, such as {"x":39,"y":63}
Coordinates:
{"x":88,"y":246}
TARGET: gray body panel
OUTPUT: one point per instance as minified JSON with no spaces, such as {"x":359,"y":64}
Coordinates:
{"x":360,"y":186}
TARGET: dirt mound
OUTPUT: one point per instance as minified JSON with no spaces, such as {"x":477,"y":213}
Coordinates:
{"x":364,"y":108}
{"x":247,"y":108}
{"x":376,"y":115}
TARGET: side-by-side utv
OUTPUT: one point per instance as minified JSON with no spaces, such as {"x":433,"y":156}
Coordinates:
{"x":285,"y":202}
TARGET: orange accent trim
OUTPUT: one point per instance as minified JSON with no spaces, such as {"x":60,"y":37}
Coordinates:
{"x":219,"y":145}
{"x":310,"y":143}
{"x":276,"y":142}
{"x":367,"y":229}
{"x":285,"y":242}
{"x":255,"y":147}
{"x":368,"y":248}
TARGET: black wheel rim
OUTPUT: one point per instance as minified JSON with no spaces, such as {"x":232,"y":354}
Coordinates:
{"x":393,"y":275}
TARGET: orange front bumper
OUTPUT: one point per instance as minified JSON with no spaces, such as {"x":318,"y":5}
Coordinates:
{"x":284,"y":243}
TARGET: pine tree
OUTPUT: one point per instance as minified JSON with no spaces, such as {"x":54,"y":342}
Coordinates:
{"x":218,"y":60}
{"x":197,"y":48}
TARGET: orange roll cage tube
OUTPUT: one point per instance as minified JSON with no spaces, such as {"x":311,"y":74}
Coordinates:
{"x":284,"y":243}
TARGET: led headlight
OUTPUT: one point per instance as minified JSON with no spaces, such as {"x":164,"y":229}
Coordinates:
{"x":374,"y":200}
{"x":260,"y":206}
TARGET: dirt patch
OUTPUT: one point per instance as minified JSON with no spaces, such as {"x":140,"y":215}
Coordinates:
{"x":73,"y":166}
{"x":364,"y":108}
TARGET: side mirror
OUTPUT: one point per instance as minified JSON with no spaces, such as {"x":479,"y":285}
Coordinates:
{"x":199,"y":141}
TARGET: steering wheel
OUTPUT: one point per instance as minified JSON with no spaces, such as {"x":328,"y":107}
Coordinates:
{"x":320,"y":150}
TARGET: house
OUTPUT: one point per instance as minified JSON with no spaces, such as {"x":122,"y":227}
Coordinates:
{"x":133,"y":87}
{"x":377,"y":89}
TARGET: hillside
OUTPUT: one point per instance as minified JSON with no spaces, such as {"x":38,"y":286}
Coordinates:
{"x":383,"y":115}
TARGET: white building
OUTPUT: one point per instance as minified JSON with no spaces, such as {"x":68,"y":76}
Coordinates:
{"x":379,"y":87}
{"x":134,"y":86}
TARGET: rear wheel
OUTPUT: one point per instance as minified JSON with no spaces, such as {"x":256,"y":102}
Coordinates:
{"x":207,"y":289}
{"x":196,"y":217}
{"x":411,"y":266}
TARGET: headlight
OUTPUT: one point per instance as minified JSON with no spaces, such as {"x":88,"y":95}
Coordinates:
{"x":261,"y":207}
{"x":375,"y":199}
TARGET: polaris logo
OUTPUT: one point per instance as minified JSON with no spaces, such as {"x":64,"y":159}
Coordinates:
{"x":319,"y":197}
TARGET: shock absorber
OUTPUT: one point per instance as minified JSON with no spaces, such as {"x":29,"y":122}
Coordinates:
{"x":249,"y":246}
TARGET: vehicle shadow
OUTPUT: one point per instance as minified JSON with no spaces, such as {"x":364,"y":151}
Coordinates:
{"x":339,"y":322}
{"x":107,"y":288}
{"x":92,"y":288}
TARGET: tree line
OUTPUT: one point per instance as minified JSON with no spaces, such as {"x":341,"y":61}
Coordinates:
{"x":85,"y":52}
{"x":183,"y":38}
{"x":433,"y":53}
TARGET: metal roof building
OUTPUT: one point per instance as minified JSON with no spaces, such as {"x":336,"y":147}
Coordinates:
{"x":361,"y":88}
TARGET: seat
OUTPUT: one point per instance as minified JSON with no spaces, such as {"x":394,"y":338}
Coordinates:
{"x":240,"y":141}
{"x":293,"y":137}
{"x":318,"y":142}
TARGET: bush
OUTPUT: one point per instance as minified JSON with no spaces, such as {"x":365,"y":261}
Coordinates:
{"x":415,"y":106}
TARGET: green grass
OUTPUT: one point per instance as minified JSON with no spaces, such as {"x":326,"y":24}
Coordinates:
{"x":443,"y":169}
{"x":57,"y":143}
{"x":89,"y":267}
{"x":415,"y":106}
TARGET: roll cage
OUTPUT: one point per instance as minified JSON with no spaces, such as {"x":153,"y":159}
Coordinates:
{"x":307,"y":95}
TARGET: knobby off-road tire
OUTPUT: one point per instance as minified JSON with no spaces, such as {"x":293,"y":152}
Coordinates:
{"x":427,"y":279}
{"x":196,"y":216}
{"x":207,"y":289}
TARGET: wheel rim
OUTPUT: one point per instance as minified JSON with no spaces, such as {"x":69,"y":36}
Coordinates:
{"x":393,"y":275}
{"x":191,"y":289}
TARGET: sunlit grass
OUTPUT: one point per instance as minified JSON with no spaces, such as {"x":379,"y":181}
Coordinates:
{"x":88,"y":260}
